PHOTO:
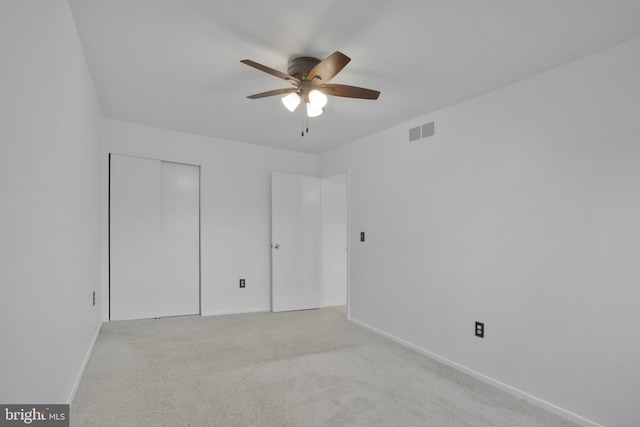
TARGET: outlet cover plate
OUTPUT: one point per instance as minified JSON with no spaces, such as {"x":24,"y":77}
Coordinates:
{"x":480,"y":329}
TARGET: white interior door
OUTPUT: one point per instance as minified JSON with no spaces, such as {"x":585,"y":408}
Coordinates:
{"x":154,"y":238}
{"x":295,"y":252}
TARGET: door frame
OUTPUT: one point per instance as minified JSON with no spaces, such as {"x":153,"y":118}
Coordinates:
{"x":346,"y":171}
{"x":345,"y":217}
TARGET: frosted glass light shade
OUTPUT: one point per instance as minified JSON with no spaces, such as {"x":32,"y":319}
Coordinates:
{"x":313,"y":111}
{"x":317,"y":98}
{"x":291,"y":101}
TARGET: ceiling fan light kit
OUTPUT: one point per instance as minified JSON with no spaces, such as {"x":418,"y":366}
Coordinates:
{"x":291,"y":101}
{"x":317,"y":101}
{"x":313,"y":111}
{"x":310,"y":76}
{"x":317,"y":98}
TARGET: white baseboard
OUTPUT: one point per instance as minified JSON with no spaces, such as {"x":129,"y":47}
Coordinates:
{"x":220,"y":313}
{"x":84,"y":365}
{"x":502,"y":386}
{"x":334,"y":304}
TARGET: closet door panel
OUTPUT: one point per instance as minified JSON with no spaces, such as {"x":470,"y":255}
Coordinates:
{"x":180,"y":238}
{"x":135,"y":215}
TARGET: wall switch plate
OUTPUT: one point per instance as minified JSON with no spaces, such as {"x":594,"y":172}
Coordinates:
{"x":362,"y":236}
{"x":242,"y":283}
{"x":94,"y":297}
{"x":480,"y":329}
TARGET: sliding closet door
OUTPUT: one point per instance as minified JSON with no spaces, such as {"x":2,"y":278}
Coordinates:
{"x":134,"y":238}
{"x":181,"y":233}
{"x":154,"y":238}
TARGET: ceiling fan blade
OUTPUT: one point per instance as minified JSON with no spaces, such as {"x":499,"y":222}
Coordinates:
{"x":349,"y":91}
{"x":272,"y":93}
{"x":271,"y":71}
{"x":326,"y":69}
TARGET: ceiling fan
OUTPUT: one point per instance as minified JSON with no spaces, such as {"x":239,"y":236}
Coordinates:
{"x":309,"y":77}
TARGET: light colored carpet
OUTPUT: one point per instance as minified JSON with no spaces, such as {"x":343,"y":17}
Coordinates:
{"x":305,"y":368}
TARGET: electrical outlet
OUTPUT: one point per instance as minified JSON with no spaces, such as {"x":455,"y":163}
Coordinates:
{"x":362,"y":236}
{"x":94,"y":297}
{"x":242,"y":283}
{"x":480,"y":329}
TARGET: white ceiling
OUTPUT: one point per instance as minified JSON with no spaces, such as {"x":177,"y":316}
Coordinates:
{"x":176,"y":64}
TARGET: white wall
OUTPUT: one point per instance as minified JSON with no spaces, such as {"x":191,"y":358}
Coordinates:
{"x":334,"y":240}
{"x":50,"y":206}
{"x":523,"y":212}
{"x":235,"y":206}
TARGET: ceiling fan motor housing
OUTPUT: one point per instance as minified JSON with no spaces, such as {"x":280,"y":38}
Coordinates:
{"x":300,"y":67}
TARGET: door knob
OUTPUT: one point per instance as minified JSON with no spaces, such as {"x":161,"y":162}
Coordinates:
{"x":276,"y":246}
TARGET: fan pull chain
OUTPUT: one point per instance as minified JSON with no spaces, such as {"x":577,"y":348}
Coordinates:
{"x":305,"y":129}
{"x":305,"y":125}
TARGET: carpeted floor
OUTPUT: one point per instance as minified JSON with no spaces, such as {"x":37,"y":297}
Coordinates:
{"x":305,"y":368}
